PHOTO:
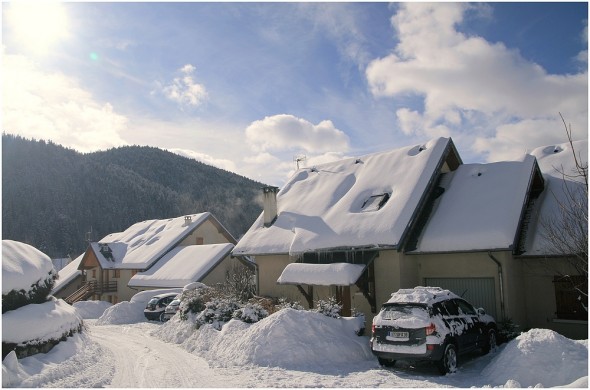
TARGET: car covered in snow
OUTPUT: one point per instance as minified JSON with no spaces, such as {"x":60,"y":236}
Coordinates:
{"x":429,"y":323}
{"x":171,"y":309}
{"x":154,"y":311}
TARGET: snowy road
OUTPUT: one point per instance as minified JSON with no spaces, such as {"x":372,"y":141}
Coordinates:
{"x":128,"y":356}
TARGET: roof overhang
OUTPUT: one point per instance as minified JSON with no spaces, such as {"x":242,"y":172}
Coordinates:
{"x":335,"y":274}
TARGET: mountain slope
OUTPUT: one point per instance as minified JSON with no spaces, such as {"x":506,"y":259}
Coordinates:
{"x":52,"y":196}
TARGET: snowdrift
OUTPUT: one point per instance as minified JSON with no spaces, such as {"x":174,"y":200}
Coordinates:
{"x":91,"y":309}
{"x":131,"y":312}
{"x":291,"y":339}
{"x":539,"y":356}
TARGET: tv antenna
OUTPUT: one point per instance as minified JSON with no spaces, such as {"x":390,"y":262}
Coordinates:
{"x":299,"y":158}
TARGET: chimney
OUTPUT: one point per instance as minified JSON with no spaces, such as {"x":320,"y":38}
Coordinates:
{"x":270,"y":204}
{"x":187,"y":220}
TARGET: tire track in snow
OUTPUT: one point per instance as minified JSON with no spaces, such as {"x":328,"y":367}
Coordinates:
{"x":141,"y":360}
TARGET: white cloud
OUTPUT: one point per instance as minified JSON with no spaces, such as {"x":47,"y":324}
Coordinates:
{"x":184,"y":90}
{"x":44,"y":105}
{"x":289,"y":133}
{"x":471,"y":87}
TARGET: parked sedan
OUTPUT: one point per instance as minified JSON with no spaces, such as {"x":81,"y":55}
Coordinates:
{"x":429,"y":323}
{"x":154,"y":311}
{"x":171,"y":309}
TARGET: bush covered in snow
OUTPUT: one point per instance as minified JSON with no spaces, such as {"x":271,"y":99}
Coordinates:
{"x":28,"y":275}
{"x":284,"y":304}
{"x":32,"y":320}
{"x":217,"y":312}
{"x":330,"y":308}
{"x":250,"y":313}
{"x":193,"y":301}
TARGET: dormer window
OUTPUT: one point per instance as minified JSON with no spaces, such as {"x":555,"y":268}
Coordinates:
{"x":375,"y":202}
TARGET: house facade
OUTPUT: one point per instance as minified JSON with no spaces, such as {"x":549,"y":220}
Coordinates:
{"x":408,"y":217}
{"x":109,"y":265}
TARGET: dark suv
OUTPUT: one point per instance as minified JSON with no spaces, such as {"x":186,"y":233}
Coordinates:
{"x":429,"y":323}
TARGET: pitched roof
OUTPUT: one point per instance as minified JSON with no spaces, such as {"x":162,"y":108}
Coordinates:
{"x":481,"y":207}
{"x":553,"y":160}
{"x":143,"y":243}
{"x":182,"y":265}
{"x":67,"y":274}
{"x":365,"y":202}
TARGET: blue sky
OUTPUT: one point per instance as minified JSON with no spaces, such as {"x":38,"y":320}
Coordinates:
{"x":248,"y":86}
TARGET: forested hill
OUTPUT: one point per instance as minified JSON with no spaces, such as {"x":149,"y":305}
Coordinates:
{"x":52,"y":196}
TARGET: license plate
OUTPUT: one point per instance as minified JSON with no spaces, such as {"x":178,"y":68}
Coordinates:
{"x":399,"y":335}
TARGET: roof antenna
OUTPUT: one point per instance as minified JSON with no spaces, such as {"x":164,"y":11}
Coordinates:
{"x":299,"y":158}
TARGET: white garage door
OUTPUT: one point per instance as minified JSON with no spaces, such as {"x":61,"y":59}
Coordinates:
{"x":480,"y":292}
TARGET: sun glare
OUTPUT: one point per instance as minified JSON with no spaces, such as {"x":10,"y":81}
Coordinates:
{"x":38,"y":25}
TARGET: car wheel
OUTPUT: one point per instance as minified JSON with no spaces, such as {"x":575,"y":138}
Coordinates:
{"x":386,"y":362}
{"x":491,"y":343}
{"x":448,"y":363}
{"x":162,"y":319}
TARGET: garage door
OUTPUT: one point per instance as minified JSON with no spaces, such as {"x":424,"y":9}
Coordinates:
{"x":480,"y":292}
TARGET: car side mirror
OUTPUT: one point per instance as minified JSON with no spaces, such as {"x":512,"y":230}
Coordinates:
{"x":481,"y":311}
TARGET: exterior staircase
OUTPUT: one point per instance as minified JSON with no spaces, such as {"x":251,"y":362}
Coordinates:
{"x":90,"y":288}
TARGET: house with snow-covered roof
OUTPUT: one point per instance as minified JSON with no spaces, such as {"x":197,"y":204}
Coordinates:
{"x":361,"y":228}
{"x":155,"y":254}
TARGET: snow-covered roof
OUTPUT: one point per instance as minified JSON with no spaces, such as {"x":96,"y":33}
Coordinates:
{"x":425,"y":295}
{"x":480,"y":208}
{"x":182,"y":265}
{"x":337,"y":204}
{"x":67,"y":274}
{"x":552,"y":161}
{"x":336,"y":274}
{"x":145,"y":242}
{"x":23,"y":266}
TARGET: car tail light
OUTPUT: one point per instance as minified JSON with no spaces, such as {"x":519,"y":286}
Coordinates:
{"x":430,"y":329}
{"x":373,"y":328}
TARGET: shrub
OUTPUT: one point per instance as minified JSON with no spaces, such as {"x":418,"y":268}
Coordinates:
{"x":217,"y":312}
{"x":250,"y":313}
{"x":284,"y":304}
{"x":330,"y":308}
{"x":38,"y":293}
{"x":193,"y":301}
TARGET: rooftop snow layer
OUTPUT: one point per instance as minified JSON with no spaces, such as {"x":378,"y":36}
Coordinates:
{"x":182,"y":265}
{"x":552,"y":161}
{"x":425,"y":295}
{"x":23,"y":266}
{"x":330,"y":205}
{"x":145,"y":242}
{"x":68,"y":273}
{"x":480,"y":208}
{"x":336,"y":274}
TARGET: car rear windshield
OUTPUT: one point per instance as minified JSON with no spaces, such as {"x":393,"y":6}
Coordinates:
{"x":406,"y":315}
{"x":153,"y":301}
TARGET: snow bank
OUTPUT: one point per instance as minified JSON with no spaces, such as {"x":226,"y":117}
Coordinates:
{"x":23,"y":266}
{"x":539,"y":356}
{"x":292,"y":339}
{"x":91,"y":309}
{"x":39,"y":322}
{"x":130,"y":312}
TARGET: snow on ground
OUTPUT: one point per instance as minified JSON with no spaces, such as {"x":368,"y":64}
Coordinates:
{"x":558,"y":360}
{"x":290,"y":348}
{"x":91,"y":309}
{"x":130,"y":312}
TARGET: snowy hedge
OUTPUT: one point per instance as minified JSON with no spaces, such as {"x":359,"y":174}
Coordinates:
{"x":28,"y":275}
{"x":37,"y":328}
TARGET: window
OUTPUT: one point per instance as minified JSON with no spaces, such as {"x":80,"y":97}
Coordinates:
{"x":465,"y":308}
{"x":375,"y":202}
{"x":116,"y":273}
{"x":93,"y":274}
{"x":571,"y":297}
{"x":200,"y":240}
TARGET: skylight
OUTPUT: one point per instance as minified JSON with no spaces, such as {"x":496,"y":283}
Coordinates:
{"x":375,"y":202}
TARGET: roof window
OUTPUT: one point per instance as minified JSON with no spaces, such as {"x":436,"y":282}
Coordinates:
{"x":375,"y":202}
